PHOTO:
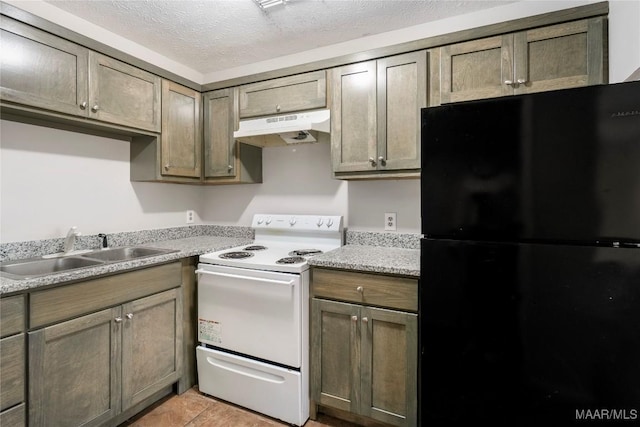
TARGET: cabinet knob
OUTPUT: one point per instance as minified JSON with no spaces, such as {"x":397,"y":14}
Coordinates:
{"x":229,"y":168}
{"x":382,"y":160}
{"x":360,"y":289}
{"x":167,"y":166}
{"x":372,"y":161}
{"x":95,"y":108}
{"x":354,"y":318}
{"x":365,"y":320}
{"x":83,"y":106}
{"x":521,"y":81}
{"x":129,"y":316}
{"x":508,"y":82}
{"x":118,"y":319}
{"x":278,"y":107}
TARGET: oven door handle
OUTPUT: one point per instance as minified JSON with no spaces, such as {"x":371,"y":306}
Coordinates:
{"x":288,"y":283}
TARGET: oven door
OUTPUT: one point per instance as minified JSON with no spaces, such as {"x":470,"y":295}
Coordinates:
{"x":251,"y":312}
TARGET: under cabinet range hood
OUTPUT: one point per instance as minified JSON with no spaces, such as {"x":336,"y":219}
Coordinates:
{"x":284,"y":129}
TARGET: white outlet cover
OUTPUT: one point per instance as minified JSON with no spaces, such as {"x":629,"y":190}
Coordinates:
{"x":390,"y":221}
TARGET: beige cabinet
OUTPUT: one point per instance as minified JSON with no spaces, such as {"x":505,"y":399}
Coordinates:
{"x":95,"y":365}
{"x":375,"y":117}
{"x":12,"y":361}
{"x":181,"y":151}
{"x":47,"y":72}
{"x":227,"y":161}
{"x":283,"y":95}
{"x":364,"y":358}
{"x":560,"y":56}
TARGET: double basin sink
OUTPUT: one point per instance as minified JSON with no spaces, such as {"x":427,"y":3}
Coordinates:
{"x":35,"y":267}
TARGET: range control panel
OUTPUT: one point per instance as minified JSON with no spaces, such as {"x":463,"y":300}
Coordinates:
{"x":330,"y":223}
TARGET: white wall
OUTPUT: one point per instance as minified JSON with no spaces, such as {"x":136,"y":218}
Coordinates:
{"x":52,"y":179}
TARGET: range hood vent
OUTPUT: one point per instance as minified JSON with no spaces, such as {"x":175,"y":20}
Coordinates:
{"x":295,"y":128}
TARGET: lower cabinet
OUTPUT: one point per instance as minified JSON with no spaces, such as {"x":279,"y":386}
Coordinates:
{"x":88,"y":370}
{"x":12,"y":362}
{"x":364,"y":360}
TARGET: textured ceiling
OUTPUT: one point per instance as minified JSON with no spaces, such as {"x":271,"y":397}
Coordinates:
{"x":213,"y":35}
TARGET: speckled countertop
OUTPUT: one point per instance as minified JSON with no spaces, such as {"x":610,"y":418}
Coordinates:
{"x":373,"y":259}
{"x":186,"y":247}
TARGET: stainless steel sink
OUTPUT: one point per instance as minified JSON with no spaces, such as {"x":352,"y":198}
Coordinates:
{"x":35,"y":267}
{"x":25,"y":269}
{"x":125,"y":253}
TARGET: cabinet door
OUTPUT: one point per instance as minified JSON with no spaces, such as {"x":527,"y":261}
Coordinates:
{"x":74,"y":371}
{"x":42,"y":70}
{"x":476,"y":69}
{"x":335,"y":359}
{"x":12,"y":371}
{"x":389,"y":366}
{"x":151,"y":345}
{"x":287,"y":94}
{"x":123,"y":94}
{"x":353,"y":118}
{"x":219,"y":124}
{"x":402,"y":92}
{"x":181,"y":135}
{"x":560,"y":56}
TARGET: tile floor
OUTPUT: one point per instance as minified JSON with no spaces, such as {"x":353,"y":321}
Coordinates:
{"x":193,"y":409}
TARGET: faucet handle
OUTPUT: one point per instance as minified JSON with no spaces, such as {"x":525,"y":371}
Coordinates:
{"x":104,"y":244}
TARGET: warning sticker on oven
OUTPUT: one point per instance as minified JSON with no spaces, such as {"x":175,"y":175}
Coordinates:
{"x":210,"y":330}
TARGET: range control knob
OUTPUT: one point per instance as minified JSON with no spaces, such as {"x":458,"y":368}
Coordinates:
{"x":268,"y":221}
{"x":319,"y":223}
{"x":329,"y":223}
{"x":260,"y":220}
{"x":293,"y":220}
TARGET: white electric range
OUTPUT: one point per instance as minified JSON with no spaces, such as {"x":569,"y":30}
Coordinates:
{"x":253,"y":315}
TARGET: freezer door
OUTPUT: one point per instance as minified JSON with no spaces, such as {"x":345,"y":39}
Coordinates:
{"x":528,"y":335}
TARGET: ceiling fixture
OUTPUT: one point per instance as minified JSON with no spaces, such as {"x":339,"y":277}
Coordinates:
{"x":265,"y":4}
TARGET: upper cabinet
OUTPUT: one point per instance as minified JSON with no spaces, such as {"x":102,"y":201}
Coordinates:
{"x":287,"y":94}
{"x":375,"y":116}
{"x":554,"y":57}
{"x":47,"y":72}
{"x":181,"y":149}
{"x":43,"y":71}
{"x":227,"y":161}
{"x":122,"y":94}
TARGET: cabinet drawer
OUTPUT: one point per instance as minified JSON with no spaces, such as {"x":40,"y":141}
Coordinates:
{"x":370,"y":289}
{"x":11,"y":315}
{"x":14,"y":417}
{"x":54,"y":305}
{"x":12,"y":371}
{"x":284,"y":95}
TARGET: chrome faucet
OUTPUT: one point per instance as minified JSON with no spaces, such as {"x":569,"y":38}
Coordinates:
{"x":70,"y":240}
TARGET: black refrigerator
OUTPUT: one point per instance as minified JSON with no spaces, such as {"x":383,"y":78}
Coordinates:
{"x":530,"y":260}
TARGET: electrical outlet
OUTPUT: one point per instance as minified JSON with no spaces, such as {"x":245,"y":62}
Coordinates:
{"x":390,"y":221}
{"x":191,"y":216}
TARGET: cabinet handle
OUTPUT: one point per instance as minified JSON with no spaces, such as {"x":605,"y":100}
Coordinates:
{"x":508,"y":82}
{"x":372,"y":161}
{"x":354,"y":318}
{"x":129,"y":316}
{"x":95,"y":108}
{"x":118,"y":319}
{"x":521,"y":81}
{"x":83,"y":106}
{"x":382,"y":160}
{"x":360,"y":289}
{"x":365,"y":320}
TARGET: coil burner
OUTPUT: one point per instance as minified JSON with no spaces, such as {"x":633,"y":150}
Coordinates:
{"x":236,"y":255}
{"x":305,"y":252}
{"x":291,"y":260}
{"x":255,"y":248}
